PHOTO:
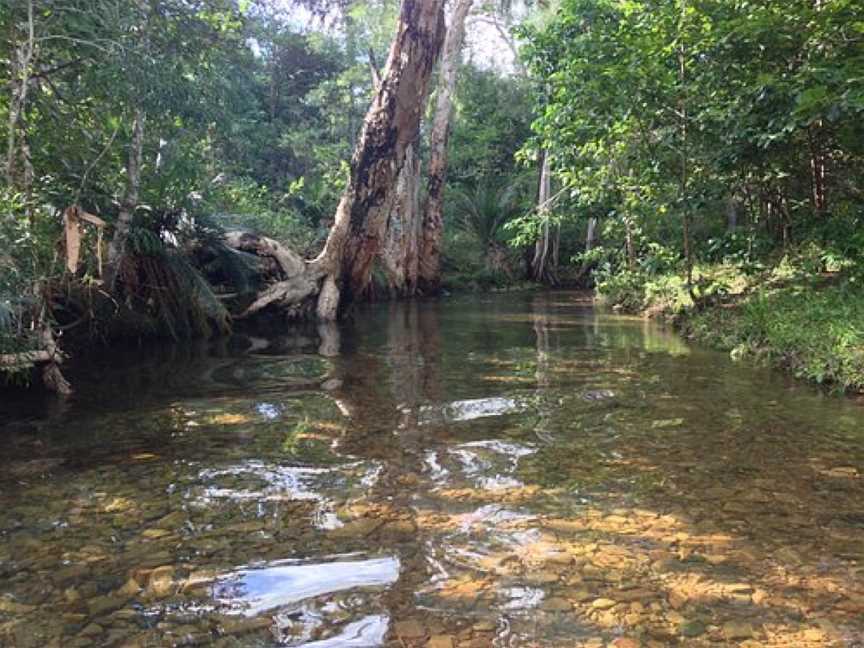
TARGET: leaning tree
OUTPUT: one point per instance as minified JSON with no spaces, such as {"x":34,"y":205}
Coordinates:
{"x":343,"y":268}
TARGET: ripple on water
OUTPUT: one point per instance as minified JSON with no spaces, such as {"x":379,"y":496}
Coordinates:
{"x":487,"y":464}
{"x":469,"y":410}
{"x":258,"y":481}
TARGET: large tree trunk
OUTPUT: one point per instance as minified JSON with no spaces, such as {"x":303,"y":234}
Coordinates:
{"x":117,"y":246}
{"x":343,"y":268}
{"x":399,"y":258}
{"x":433,"y":212}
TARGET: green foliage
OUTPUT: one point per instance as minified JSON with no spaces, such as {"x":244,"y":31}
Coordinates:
{"x":27,"y":236}
{"x":486,"y":206}
{"x":624,"y":289}
{"x":744,"y":118}
{"x":817,"y":332}
{"x":244,"y":203}
{"x":491,"y":123}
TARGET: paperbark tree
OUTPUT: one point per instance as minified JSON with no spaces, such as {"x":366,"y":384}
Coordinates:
{"x":433,"y":211}
{"x":343,"y":268}
{"x":400,"y":255}
{"x":544,"y":263}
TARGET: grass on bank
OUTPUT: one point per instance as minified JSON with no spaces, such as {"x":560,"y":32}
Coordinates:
{"x":809,"y":323}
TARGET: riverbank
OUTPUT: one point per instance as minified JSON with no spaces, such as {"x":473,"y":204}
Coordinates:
{"x":811,"y":325}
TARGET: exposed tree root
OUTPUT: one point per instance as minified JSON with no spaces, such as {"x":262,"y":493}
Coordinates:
{"x":283,"y":293}
{"x":290,"y":263}
{"x":295,"y":281}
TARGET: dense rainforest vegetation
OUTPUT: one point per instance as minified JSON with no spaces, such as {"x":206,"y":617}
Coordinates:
{"x":171,"y":168}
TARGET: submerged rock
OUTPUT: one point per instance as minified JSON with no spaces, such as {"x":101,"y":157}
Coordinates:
{"x":441,"y":641}
{"x":105,"y":604}
{"x":410,"y":629}
{"x":557,"y":604}
{"x":603,"y":604}
{"x":737,"y":630}
{"x":160,"y":584}
{"x":692,"y":628}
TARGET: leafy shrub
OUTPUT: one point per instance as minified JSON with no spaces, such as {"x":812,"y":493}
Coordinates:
{"x":27,"y":260}
{"x":243,"y":203}
{"x":624,"y":290}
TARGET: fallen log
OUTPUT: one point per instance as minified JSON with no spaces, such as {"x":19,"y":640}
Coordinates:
{"x":50,"y":356}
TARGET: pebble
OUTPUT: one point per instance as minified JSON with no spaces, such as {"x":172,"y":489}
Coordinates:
{"x":625,"y":642}
{"x":603,"y":604}
{"x":692,"y":628}
{"x":557,"y":604}
{"x":105,"y":604}
{"x":13,"y":607}
{"x":91,"y":630}
{"x":543,"y":577}
{"x":161,"y":582}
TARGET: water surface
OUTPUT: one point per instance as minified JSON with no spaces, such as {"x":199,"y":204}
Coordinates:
{"x":513,"y":470}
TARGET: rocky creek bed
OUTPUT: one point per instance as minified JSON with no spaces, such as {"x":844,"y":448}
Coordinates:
{"x":517,"y":470}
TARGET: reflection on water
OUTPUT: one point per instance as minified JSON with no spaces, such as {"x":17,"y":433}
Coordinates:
{"x":368,"y":631}
{"x":489,"y":464}
{"x":514,"y":470}
{"x":263,"y":588}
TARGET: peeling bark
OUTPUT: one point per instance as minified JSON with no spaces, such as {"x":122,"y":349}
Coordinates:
{"x":343,"y":268}
{"x":400,"y":256}
{"x":433,"y":212}
{"x":328,"y":300}
{"x":388,"y":129}
{"x":52,"y":377}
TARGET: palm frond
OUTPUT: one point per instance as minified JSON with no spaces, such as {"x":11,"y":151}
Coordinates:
{"x":484,"y":207}
{"x":166,"y":291}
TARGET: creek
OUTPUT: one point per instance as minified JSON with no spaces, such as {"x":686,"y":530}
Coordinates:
{"x":491,"y":470}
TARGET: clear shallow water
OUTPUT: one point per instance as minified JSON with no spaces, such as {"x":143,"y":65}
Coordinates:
{"x":513,"y":470}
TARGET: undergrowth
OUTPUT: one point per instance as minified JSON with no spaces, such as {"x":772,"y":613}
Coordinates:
{"x":801,"y":312}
